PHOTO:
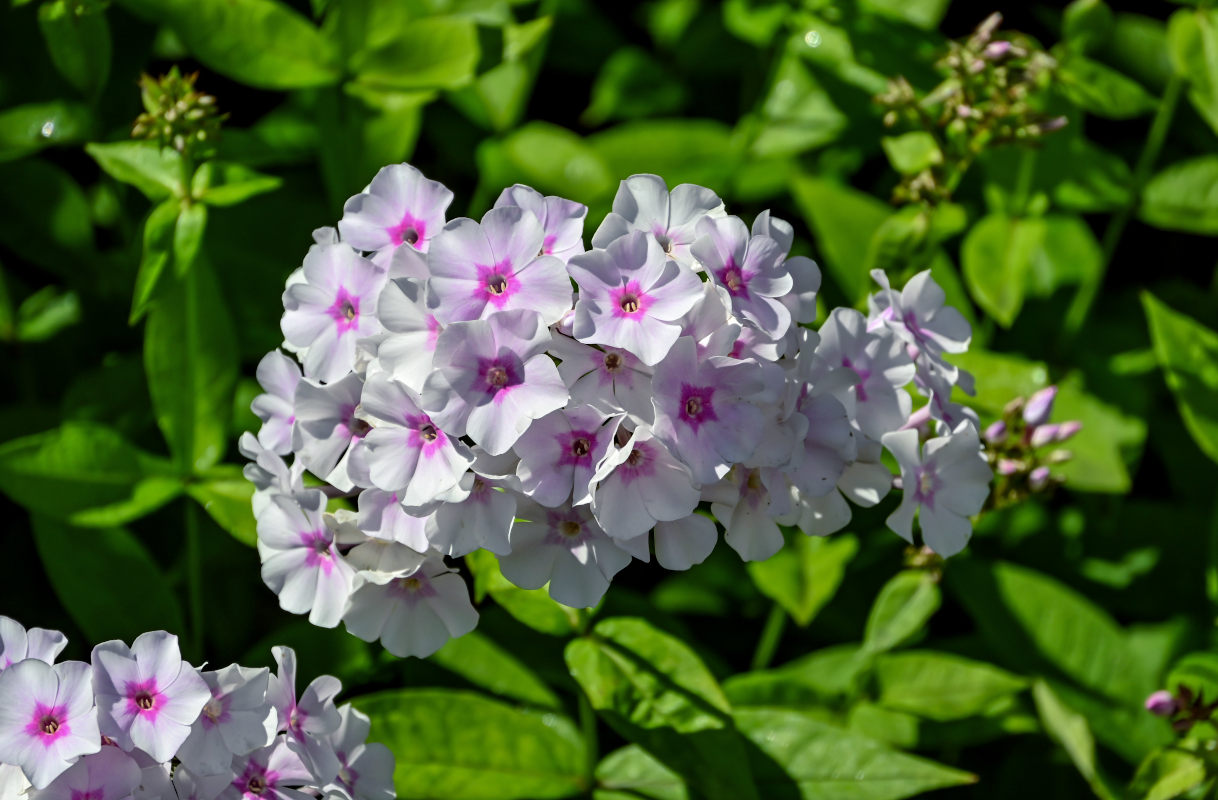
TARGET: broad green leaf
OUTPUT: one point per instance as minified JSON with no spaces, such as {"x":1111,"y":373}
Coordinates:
{"x":844,"y":220}
{"x":997,"y":255}
{"x":1197,"y":671}
{"x":1069,"y":254}
{"x":533,"y":607}
{"x":29,"y":128}
{"x":801,"y":758}
{"x":464,"y":746}
{"x":188,"y":237}
{"x":654,"y":691}
{"x":154,"y":171}
{"x":190,"y":356}
{"x":78,"y":40}
{"x":1087,"y":24}
{"x":796,"y":115}
{"x":382,"y":126}
{"x":1167,"y":773}
{"x":924,"y":14}
{"x":1192,"y":42}
{"x":45,"y":313}
{"x":824,"y":678}
{"x":1069,"y":729}
{"x":1000,"y":720}
{"x":901,"y":610}
{"x":496,"y":99}
{"x":682,"y":150}
{"x":433,"y":53}
{"x":630,"y":774}
{"x":755,"y":22}
{"x":1139,"y":45}
{"x":941,"y":686}
{"x":226,"y":496}
{"x":633,"y":84}
{"x":83,"y":473}
{"x":1124,"y":728}
{"x":1183,"y":197}
{"x":261,"y":43}
{"x":157,"y":253}
{"x":805,"y":574}
{"x":912,"y":152}
{"x":220,"y":183}
{"x":1088,"y":178}
{"x":1188,"y":353}
{"x":1037,"y":625}
{"x":551,"y":159}
{"x":482,"y":662}
{"x":106,"y":580}
{"x":1101,"y":90}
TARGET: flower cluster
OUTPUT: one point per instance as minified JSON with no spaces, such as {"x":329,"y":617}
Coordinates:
{"x":139,"y":722}
{"x":1021,"y":445}
{"x":494,"y":384}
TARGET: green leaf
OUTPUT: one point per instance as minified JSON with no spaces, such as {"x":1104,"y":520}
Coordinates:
{"x":261,"y":43}
{"x":106,"y":580}
{"x":1188,"y":353}
{"x":188,"y":237}
{"x":48,"y":221}
{"x":682,"y":150}
{"x":1197,"y":671}
{"x":381,"y":125}
{"x":805,"y":574}
{"x":29,"y":128}
{"x":78,"y":40}
{"x":997,"y":256}
{"x":844,"y":221}
{"x":1101,"y":90}
{"x":1183,"y":197}
{"x":190,"y":356}
{"x":924,"y":14}
{"x":802,"y":757}
{"x":901,"y":610}
{"x":654,"y":691}
{"x":1069,"y":729}
{"x":83,"y":473}
{"x":1192,"y":42}
{"x":941,"y":686}
{"x":1087,"y":24}
{"x":1088,"y":178}
{"x":463,"y":746}
{"x":482,"y":662}
{"x":226,"y":496}
{"x":432,"y":53}
{"x":912,"y":152}
{"x":1167,"y":773}
{"x":533,"y":607}
{"x":826,"y":677}
{"x":1037,"y":625}
{"x":158,"y":249}
{"x":220,"y":183}
{"x":45,"y":313}
{"x":630,"y":774}
{"x":155,"y":172}
{"x":1069,"y":254}
{"x":633,"y":84}
{"x":551,"y":159}
{"x":797,"y":114}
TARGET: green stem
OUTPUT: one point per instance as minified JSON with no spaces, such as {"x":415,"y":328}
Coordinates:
{"x":587,"y":725}
{"x":1076,"y":316}
{"x":771,"y":635}
{"x":194,"y":580}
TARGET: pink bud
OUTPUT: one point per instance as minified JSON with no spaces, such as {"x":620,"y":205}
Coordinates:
{"x":1040,"y":406}
{"x":1043,"y":435}
{"x":1161,"y":703}
{"x":996,"y":50}
{"x":1008,"y":466}
{"x":1039,"y":478}
{"x":918,"y":418}
{"x":996,"y":432}
{"x":1068,"y":429}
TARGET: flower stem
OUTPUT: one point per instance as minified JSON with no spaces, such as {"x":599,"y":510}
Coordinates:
{"x":587,"y":724}
{"x":1076,"y":316}
{"x":771,"y":635}
{"x":194,"y":579}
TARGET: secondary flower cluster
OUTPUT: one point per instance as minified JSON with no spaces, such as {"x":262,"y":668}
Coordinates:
{"x":494,"y":384}
{"x":139,"y":722}
{"x":1021,"y":445}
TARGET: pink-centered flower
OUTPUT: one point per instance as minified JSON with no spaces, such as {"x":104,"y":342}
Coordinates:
{"x":306,"y":718}
{"x":559,"y":453}
{"x":562,"y":220}
{"x":236,"y":720}
{"x":18,"y":644}
{"x":610,"y":380}
{"x":751,"y":269}
{"x":413,"y":615}
{"x":638,"y":484}
{"x":106,"y":774}
{"x":399,"y":208}
{"x":275,"y":772}
{"x":406,"y":348}
{"x":643,"y":203}
{"x":327,"y":426}
{"x":366,"y":771}
{"x":147,"y":696}
{"x":47,"y":717}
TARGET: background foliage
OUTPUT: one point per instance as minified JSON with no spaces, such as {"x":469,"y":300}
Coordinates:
{"x":137,"y":293}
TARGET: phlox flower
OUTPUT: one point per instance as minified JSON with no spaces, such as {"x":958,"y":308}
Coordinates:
{"x":643,"y":203}
{"x":278,"y":375}
{"x":107,"y":774}
{"x":478,"y":269}
{"x":268,"y":472}
{"x":631,"y":296}
{"x":828,"y":447}
{"x":493,"y":378}
{"x":681,"y":543}
{"x":558,"y":454}
{"x":875,"y":401}
{"x":400,"y":207}
{"x":366,"y":768}
{"x":155,"y":782}
{"x":413,"y":615}
{"x":275,"y":772}
{"x":638,"y":484}
{"x":381,"y":516}
{"x":327,"y":426}
{"x":405,"y":350}
{"x":919,"y":316}
{"x":300,"y":561}
{"x":945,"y":484}
{"x":481,"y":518}
{"x":750,"y":269}
{"x":306,"y":718}
{"x":562,"y":220}
{"x":18,"y":644}
{"x":237,"y":719}
{"x":333,"y":307}
{"x":189,"y":786}
{"x":47,"y":717}
{"x":746,"y":503}
{"x":147,"y":696}
{"x":610,"y":380}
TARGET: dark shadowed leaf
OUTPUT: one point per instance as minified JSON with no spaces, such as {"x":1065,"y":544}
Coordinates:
{"x":1184,"y":196}
{"x":805,"y":574}
{"x":941,"y":686}
{"x":1188,"y":353}
{"x":901,"y":610}
{"x":78,"y":41}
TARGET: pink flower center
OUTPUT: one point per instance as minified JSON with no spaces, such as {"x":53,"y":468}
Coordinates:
{"x":344,"y":311}
{"x":256,"y":781}
{"x":613,"y":362}
{"x":497,"y":283}
{"x":412,"y":588}
{"x":630,"y":301}
{"x":697,"y":406}
{"x":576,"y":447}
{"x":926,"y":482}
{"x":639,"y":464}
{"x":409,"y":231}
{"x":143,"y":698}
{"x":547,"y":246}
{"x":320,"y":553}
{"x":47,"y":724}
{"x":499,"y":376}
{"x":734,"y":279}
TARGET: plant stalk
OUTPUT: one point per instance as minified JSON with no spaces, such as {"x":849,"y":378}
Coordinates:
{"x":194,"y":580}
{"x":771,"y":635}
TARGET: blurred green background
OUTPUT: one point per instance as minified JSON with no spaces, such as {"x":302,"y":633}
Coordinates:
{"x":131,"y":320}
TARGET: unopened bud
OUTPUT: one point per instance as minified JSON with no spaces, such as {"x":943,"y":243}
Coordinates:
{"x":1043,"y":435}
{"x":1040,"y":406}
{"x":1068,"y":429}
{"x":996,"y":432}
{"x":1009,"y":466}
{"x":996,"y":50}
{"x":1162,"y":704}
{"x":1039,"y":478}
{"x":1059,"y":456}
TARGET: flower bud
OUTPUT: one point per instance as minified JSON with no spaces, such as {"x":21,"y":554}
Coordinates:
{"x":1043,"y":435}
{"x":1068,"y":429}
{"x":996,"y":50}
{"x":1009,"y":466}
{"x":996,"y":432}
{"x":1162,"y":704}
{"x":1040,"y":406}
{"x":1039,"y":478}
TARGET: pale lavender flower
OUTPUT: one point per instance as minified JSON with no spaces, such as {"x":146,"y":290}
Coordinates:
{"x":566,"y":548}
{"x":610,"y":380}
{"x":382,"y":516}
{"x":331,"y":309}
{"x":561,"y":220}
{"x":702,"y":410}
{"x":643,"y":203}
{"x":750,"y":269}
{"x":746,"y":503}
{"x":300,"y":561}
{"x":366,"y":768}
{"x":681,"y":543}
{"x":1067,"y":430}
{"x":413,"y":615}
{"x":946,"y":483}
{"x":189,"y":786}
{"x":278,"y":375}
{"x":638,"y":484}
{"x":1042,"y":435}
{"x":327,"y":426}
{"x":631,"y":296}
{"x":18,"y":644}
{"x":276,"y":772}
{"x":478,"y":269}
{"x":155,"y":783}
{"x":147,"y":696}
{"x":400,"y":207}
{"x":493,"y":379}
{"x":107,"y":774}
{"x":47,"y":717}
{"x":237,"y":720}
{"x":558,"y":454}
{"x":405,"y":351}
{"x":482,"y":519}
{"x":268,"y":472}
{"x":306,"y":718}
{"x":876,"y":400}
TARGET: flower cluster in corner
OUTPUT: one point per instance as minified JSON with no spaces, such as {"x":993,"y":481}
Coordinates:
{"x":492,"y":384}
{"x":138,"y":722}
